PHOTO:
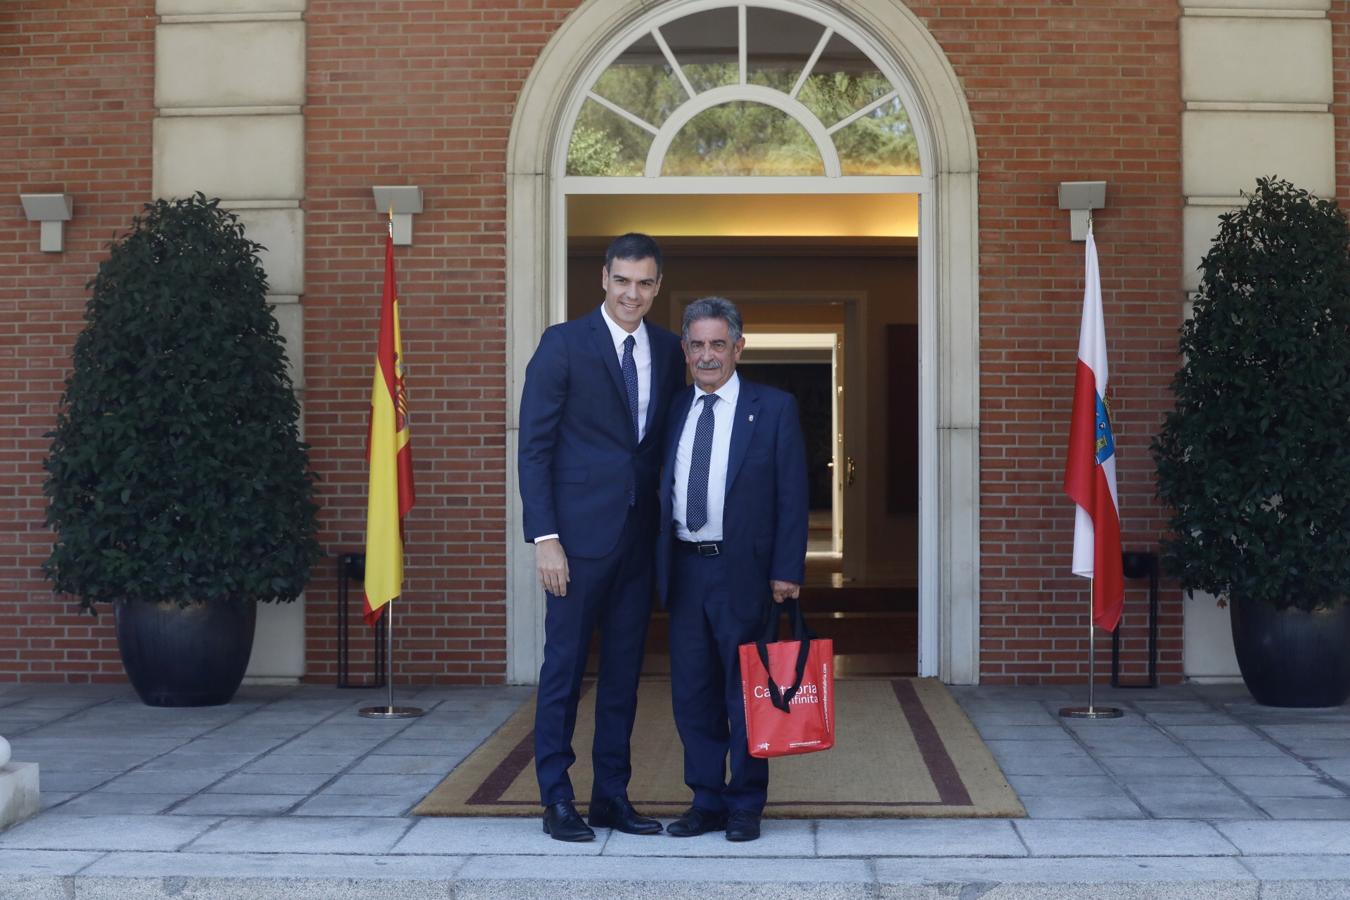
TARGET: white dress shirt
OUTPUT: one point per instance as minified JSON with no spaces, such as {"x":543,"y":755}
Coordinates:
{"x":642,"y":357}
{"x":724,"y":414}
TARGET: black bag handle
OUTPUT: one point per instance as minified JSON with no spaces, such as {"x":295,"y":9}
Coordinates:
{"x":782,"y":699}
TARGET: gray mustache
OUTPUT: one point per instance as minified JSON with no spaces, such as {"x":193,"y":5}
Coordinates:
{"x":708,"y":364}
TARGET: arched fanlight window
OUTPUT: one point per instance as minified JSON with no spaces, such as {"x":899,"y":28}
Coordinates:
{"x":742,"y":90}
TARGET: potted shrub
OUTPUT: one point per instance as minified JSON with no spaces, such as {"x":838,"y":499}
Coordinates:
{"x":1253,"y":459}
{"x":178,"y":487}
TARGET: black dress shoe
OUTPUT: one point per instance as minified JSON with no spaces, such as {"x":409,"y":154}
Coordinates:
{"x":618,"y":813}
{"x":742,"y":825}
{"x":562,"y":822}
{"x":696,"y":821}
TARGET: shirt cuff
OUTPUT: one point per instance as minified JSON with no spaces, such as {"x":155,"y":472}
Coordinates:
{"x":546,"y":537}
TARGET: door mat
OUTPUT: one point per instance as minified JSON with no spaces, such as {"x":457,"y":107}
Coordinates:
{"x":903,"y":749}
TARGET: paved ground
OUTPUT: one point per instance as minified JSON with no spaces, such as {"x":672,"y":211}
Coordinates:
{"x":286,"y":792}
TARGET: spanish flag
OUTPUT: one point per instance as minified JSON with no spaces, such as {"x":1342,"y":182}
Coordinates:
{"x":389,"y":454}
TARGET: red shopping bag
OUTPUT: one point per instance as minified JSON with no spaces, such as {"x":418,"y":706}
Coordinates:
{"x":800,"y":717}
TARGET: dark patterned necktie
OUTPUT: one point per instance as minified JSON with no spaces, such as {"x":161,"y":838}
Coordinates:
{"x":630,"y":382}
{"x":696,"y":503}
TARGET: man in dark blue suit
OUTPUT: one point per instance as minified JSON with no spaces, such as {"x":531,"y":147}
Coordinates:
{"x":733,"y":539}
{"x":594,"y":406}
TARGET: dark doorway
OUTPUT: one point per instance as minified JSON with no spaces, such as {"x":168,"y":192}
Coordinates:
{"x":800,"y":287}
{"x":812,"y":385}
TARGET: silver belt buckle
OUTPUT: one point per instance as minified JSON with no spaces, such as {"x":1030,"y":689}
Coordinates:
{"x":709,"y":548}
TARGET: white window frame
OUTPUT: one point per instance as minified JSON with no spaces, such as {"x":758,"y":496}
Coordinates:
{"x":820,"y":132}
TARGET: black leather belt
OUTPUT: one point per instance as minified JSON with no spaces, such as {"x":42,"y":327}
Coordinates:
{"x":702,"y":548}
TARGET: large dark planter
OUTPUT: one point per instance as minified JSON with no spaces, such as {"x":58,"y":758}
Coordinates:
{"x":189,"y":656}
{"x":1290,"y":657}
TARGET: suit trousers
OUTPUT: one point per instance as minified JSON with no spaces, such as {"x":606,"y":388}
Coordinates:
{"x":614,"y":595}
{"x":705,"y":676}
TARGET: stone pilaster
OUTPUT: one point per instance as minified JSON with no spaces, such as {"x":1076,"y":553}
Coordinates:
{"x":229,"y":100}
{"x":1256,"y":84}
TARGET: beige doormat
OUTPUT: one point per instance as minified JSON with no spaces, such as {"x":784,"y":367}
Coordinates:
{"x":903,"y":749}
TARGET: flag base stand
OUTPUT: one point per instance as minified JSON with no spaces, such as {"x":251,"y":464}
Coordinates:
{"x":1091,"y":711}
{"x":1082,"y":712}
{"x":389,"y":710}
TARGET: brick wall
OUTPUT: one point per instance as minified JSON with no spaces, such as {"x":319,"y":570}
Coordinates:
{"x":76,"y":103}
{"x":423,"y":93}
{"x":1058,"y":93}
{"x":1064,"y":92}
{"x":416,"y":93}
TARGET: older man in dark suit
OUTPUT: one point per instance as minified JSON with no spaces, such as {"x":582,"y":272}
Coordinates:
{"x":594,"y":406}
{"x":734,"y":520}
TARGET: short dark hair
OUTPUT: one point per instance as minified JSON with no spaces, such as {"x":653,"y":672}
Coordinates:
{"x":633,"y":246}
{"x":713,"y":308}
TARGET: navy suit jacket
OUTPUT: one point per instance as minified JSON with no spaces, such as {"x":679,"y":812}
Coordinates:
{"x":579,"y":458}
{"x":764,"y":519}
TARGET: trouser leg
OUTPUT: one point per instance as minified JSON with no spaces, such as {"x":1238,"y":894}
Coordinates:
{"x":697,"y":682}
{"x":747,"y":786}
{"x":568,"y":624}
{"x":624,"y":614}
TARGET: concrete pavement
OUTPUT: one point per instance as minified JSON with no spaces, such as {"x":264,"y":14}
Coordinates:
{"x":286,"y":792}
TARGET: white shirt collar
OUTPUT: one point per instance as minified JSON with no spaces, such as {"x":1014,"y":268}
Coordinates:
{"x":617,"y":334}
{"x":727,"y":393}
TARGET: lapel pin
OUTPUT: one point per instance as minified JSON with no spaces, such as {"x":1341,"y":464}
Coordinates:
{"x":752,"y":417}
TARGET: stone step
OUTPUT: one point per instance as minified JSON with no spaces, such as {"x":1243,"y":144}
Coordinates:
{"x":264,"y":877}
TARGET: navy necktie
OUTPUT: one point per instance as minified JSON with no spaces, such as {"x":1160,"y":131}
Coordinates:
{"x":696,"y":503}
{"x":630,"y":382}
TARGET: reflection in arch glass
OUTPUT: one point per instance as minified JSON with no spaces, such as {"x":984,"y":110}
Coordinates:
{"x":605,"y":143}
{"x":743,"y":139}
{"x":829,"y":86}
{"x":707,"y":47}
{"x":880,"y":142}
{"x":642,"y":82}
{"x":778,"y":47}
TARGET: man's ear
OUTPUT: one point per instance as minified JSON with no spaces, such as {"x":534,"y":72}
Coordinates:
{"x":604,"y":277}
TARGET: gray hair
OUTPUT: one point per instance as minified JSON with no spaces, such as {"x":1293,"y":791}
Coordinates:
{"x":713,"y":308}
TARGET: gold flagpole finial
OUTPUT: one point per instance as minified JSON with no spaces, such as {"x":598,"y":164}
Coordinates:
{"x":391,"y":221}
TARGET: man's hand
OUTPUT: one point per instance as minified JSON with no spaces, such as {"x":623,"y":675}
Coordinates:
{"x":784,"y":590}
{"x":551,"y":563}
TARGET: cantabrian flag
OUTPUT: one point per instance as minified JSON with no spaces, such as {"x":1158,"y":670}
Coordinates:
{"x":1090,"y":473}
{"x":389,"y":454}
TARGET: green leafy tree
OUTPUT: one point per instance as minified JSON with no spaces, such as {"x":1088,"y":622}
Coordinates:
{"x":176,"y":470}
{"x":1253,"y":460}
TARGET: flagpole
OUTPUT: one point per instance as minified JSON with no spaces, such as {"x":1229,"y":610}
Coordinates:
{"x":1091,"y":711}
{"x":389,"y":710}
